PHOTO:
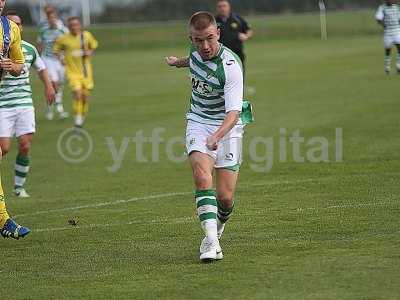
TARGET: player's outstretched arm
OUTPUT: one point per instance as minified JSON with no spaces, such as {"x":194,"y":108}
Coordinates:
{"x":49,"y":91}
{"x":174,"y":61}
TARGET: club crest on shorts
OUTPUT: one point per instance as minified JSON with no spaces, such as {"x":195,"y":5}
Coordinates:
{"x":229,"y":157}
{"x":192,"y":141}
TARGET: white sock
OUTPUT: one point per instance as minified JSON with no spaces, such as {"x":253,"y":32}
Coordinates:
{"x":59,"y":105}
{"x":79,"y":119}
{"x":210,"y":229}
{"x":206,"y":204}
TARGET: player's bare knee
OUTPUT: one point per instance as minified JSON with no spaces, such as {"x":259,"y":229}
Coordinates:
{"x":4,"y":150}
{"x":24,"y":148}
{"x":202,"y":178}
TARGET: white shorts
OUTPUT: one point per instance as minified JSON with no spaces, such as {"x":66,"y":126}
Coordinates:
{"x":229,"y":152}
{"x":55,"y":68}
{"x":17,"y":121}
{"x":390,"y":40}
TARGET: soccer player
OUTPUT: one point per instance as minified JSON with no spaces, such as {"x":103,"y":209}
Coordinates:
{"x":214,"y":127}
{"x":11,"y":61}
{"x":234,"y":29}
{"x":78,"y":47}
{"x":388,"y":15}
{"x":47,"y":9}
{"x":17,"y":115}
{"x":48,"y":34}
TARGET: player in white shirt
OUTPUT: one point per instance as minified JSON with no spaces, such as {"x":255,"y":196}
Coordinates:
{"x":17,"y":114}
{"x":388,"y":15}
{"x":49,"y":32}
{"x":214,"y":127}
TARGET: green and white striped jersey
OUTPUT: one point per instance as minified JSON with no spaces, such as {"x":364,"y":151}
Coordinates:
{"x":16,"y":91}
{"x":217,"y":86}
{"x":390,"y":16}
{"x":47,"y":37}
{"x":45,"y":24}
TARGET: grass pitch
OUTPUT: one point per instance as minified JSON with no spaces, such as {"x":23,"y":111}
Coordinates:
{"x":300,"y":231}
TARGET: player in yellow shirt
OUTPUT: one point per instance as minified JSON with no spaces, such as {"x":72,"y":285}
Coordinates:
{"x":11,"y":56}
{"x":77,"y":48}
{"x":11,"y":61}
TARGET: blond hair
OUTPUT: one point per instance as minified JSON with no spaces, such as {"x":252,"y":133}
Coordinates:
{"x":201,"y":20}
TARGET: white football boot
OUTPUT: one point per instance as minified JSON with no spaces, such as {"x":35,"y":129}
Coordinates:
{"x":79,"y":119}
{"x":210,"y":250}
{"x":49,"y":115}
{"x":21,"y":193}
{"x":63,"y":115}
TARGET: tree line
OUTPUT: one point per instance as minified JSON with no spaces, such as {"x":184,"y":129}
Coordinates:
{"x":162,"y":10}
{"x":181,"y":9}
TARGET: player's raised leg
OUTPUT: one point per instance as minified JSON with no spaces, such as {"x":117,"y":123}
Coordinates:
{"x":226,"y":185}
{"x":206,"y":203}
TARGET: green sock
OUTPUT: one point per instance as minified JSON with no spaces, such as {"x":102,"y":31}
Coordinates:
{"x":224,"y":213}
{"x":21,"y":171}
